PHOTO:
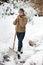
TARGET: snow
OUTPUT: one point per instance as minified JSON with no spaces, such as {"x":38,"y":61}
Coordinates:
{"x":34,"y":31}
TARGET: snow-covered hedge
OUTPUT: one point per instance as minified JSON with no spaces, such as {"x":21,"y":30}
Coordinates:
{"x":12,"y":9}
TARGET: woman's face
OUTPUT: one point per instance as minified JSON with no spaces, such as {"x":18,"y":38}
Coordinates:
{"x":21,"y":13}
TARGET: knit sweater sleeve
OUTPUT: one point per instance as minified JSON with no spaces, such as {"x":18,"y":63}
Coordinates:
{"x":15,"y":21}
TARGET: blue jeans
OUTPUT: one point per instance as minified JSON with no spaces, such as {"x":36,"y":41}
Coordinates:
{"x":20,"y":37}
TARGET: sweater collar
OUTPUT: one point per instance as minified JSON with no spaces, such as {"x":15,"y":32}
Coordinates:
{"x":22,"y":16}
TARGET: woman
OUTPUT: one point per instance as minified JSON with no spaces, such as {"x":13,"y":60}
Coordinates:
{"x":20,"y":23}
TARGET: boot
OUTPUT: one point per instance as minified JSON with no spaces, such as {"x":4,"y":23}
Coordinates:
{"x":18,"y":55}
{"x":21,"y":51}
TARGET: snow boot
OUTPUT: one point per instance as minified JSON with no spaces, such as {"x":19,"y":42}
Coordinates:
{"x":18,"y":55}
{"x":21,"y":51}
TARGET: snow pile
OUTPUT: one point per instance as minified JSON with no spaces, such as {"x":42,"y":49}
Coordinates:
{"x":36,"y":59}
{"x":35,"y":33}
{"x":6,"y":9}
{"x":35,"y":28}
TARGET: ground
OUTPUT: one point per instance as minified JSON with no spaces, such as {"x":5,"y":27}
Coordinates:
{"x":31,"y":54}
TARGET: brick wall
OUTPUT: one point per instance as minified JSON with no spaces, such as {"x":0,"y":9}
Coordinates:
{"x":39,"y":5}
{"x":37,"y":1}
{"x":41,"y":10}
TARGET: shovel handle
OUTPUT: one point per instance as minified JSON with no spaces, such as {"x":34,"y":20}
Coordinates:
{"x":14,"y":40}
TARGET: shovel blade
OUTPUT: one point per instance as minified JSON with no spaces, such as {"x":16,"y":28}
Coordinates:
{"x":11,"y":52}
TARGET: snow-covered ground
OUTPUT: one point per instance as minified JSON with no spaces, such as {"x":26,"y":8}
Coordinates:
{"x":34,"y":31}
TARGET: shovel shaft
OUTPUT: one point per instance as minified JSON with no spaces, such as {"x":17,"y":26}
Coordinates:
{"x":14,"y":40}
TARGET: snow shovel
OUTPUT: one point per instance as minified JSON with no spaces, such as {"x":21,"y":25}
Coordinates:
{"x":11,"y":50}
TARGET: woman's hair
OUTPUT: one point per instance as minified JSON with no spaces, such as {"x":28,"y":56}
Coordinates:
{"x":21,"y":9}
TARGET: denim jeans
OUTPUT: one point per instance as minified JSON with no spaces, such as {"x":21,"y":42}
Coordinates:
{"x":20,"y":37}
